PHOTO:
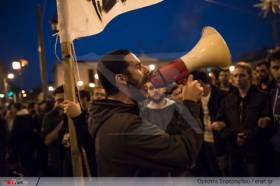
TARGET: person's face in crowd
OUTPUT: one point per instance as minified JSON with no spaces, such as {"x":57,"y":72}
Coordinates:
{"x":133,"y":82}
{"x":241,"y":78}
{"x":275,"y":70}
{"x":84,"y":103}
{"x":42,"y":107}
{"x":137,"y":71}
{"x":262,"y":73}
{"x":213,"y":78}
{"x":206,"y":88}
{"x":98,"y":94}
{"x":59,"y":99}
{"x":155,"y":94}
{"x":224,"y":77}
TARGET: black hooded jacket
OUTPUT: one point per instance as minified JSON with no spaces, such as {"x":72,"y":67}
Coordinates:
{"x":125,"y":144}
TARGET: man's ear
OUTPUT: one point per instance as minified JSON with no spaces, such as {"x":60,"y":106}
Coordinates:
{"x":121,"y":79}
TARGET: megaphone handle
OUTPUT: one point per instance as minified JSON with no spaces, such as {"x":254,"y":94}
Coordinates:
{"x":174,"y":71}
{"x":162,"y":78}
{"x":182,"y":77}
{"x":183,"y":81}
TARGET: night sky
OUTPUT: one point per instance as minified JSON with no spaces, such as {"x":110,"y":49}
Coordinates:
{"x":163,"y":30}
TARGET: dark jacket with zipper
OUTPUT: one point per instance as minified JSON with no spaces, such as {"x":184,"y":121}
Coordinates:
{"x":241,"y":115}
{"x":124,"y":143}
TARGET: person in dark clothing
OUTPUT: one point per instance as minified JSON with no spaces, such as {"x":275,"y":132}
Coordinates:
{"x":44,"y":107}
{"x":3,"y":146}
{"x":160,"y":109}
{"x":224,"y":81}
{"x":164,"y":113}
{"x":124,"y":143}
{"x":98,"y":94}
{"x":23,"y":140}
{"x":3,"y":137}
{"x":211,"y":161}
{"x":84,"y":99}
{"x":264,"y":82}
{"x":32,"y":111}
{"x":54,"y":127}
{"x":243,"y":118}
{"x":274,"y":63}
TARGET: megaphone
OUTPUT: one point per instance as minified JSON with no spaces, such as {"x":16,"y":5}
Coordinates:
{"x":210,"y":51}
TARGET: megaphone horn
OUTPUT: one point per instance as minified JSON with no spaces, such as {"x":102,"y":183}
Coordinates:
{"x":210,"y":51}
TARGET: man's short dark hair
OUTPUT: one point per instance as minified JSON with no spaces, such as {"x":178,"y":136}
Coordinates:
{"x":84,"y":94}
{"x":224,"y":70}
{"x":59,"y":90}
{"x":202,"y":76}
{"x":111,"y":64}
{"x":274,"y":56}
{"x":261,"y":63}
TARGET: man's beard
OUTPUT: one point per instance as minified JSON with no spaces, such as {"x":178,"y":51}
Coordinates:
{"x":264,"y":80}
{"x":136,"y":89}
{"x":225,"y":82}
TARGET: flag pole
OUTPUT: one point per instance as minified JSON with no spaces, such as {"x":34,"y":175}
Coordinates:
{"x":69,"y":88}
{"x":41,"y":51}
{"x":69,"y":94}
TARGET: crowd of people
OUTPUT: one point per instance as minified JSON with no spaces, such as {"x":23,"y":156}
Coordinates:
{"x":224,"y":124}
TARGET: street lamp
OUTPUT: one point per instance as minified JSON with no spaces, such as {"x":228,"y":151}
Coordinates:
{"x":231,"y":68}
{"x":96,"y":76}
{"x":16,"y":65}
{"x":23,"y":62}
{"x":2,"y":95}
{"x":210,"y":74}
{"x":51,"y":88}
{"x":152,"y":67}
{"x":91,"y":85}
{"x":11,"y":76}
{"x":80,"y":83}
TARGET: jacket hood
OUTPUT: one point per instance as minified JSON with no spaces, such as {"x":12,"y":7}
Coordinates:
{"x":101,"y":110}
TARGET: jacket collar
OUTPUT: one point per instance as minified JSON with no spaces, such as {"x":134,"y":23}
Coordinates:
{"x":114,"y":104}
{"x":251,"y":90}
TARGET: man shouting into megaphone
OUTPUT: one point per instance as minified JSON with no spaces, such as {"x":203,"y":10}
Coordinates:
{"x":124,"y":144}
